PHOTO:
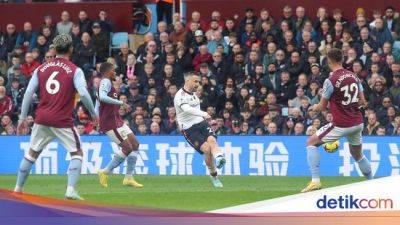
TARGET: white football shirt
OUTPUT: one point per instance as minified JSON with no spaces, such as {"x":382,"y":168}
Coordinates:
{"x":186,"y":119}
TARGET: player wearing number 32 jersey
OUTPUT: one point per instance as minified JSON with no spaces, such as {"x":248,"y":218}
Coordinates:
{"x":56,"y":82}
{"x":344,"y":93}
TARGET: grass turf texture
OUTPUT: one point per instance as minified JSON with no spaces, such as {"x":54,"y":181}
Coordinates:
{"x":191,"y":193}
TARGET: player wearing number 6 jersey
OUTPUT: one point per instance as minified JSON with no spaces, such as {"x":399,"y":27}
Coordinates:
{"x":345,"y":95}
{"x":111,"y":124}
{"x":192,"y":121}
{"x":56,"y":82}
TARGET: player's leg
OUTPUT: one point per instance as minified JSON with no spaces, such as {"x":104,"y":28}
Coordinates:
{"x":209,"y":159}
{"x":120,"y":137}
{"x":216,"y":151}
{"x":355,"y":144}
{"x":40,"y":137}
{"x":131,"y":161}
{"x":70,"y":139}
{"x":326,"y":133}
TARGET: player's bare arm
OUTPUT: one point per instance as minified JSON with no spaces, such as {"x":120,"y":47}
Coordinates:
{"x":26,"y":102}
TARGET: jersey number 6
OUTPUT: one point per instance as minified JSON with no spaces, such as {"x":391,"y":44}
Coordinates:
{"x":52,"y":85}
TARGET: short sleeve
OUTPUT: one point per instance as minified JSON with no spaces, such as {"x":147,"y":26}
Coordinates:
{"x":105,"y":85}
{"x":327,"y":89}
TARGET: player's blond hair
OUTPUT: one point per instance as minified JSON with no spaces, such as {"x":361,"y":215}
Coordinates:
{"x":62,"y":43}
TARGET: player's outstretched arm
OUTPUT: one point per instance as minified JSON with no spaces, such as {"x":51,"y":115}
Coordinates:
{"x":104,"y":89}
{"x":27,"y":100}
{"x":186,"y":108}
{"x":28,"y":96}
{"x":81,"y":87}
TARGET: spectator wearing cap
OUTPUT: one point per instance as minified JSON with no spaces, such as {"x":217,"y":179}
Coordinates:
{"x":134,"y":96}
{"x":65,"y":25}
{"x":101,"y":42}
{"x":316,"y":74}
{"x":289,"y":126}
{"x":84,"y":54}
{"x":27,"y":38}
{"x":236,"y":127}
{"x":6,"y":105}
{"x":381,"y":33}
{"x":29,"y":66}
{"x":198,"y":41}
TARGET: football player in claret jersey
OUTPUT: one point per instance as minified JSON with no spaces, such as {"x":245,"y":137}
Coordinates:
{"x":56,"y":81}
{"x":112,"y":124}
{"x":192,"y":121}
{"x":344,"y":93}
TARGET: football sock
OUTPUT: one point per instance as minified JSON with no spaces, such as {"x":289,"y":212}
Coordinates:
{"x":313,"y":162}
{"x":130,"y":164}
{"x":23,"y":173}
{"x":119,"y":157}
{"x":365,"y":167}
{"x":74,"y":171}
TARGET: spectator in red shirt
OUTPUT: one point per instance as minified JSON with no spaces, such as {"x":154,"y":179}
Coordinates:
{"x":29,"y":66}
{"x":6,"y":105}
{"x":203,"y":57}
{"x":196,"y":17}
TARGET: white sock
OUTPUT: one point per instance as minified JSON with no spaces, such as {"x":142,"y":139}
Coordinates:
{"x":316,"y":180}
{"x":70,"y":189}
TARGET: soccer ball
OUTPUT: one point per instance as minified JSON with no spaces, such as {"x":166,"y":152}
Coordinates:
{"x":331,"y":147}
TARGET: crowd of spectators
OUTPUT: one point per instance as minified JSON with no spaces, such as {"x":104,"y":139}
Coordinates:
{"x":259,"y":75}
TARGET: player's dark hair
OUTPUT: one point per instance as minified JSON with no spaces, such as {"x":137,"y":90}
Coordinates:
{"x":105,"y":67}
{"x":335,"y":55}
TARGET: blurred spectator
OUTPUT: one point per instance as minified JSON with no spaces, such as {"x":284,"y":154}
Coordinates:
{"x":6,"y":105}
{"x":10,"y":38}
{"x":100,"y":42}
{"x":85,"y":24}
{"x":29,"y":66}
{"x":84,"y":53}
{"x":65,"y":25}
{"x":27,"y":38}
{"x":106,"y":24}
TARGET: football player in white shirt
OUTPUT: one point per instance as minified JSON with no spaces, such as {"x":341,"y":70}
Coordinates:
{"x":192,"y":121}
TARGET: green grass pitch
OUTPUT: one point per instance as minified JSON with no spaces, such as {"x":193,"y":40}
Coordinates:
{"x":191,"y":193}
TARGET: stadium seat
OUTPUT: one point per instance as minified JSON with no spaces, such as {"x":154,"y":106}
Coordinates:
{"x":117,"y":39}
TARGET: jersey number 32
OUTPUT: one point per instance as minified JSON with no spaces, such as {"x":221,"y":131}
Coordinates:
{"x":350,"y":93}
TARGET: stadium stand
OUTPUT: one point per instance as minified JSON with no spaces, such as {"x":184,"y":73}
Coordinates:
{"x":260,"y":75}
